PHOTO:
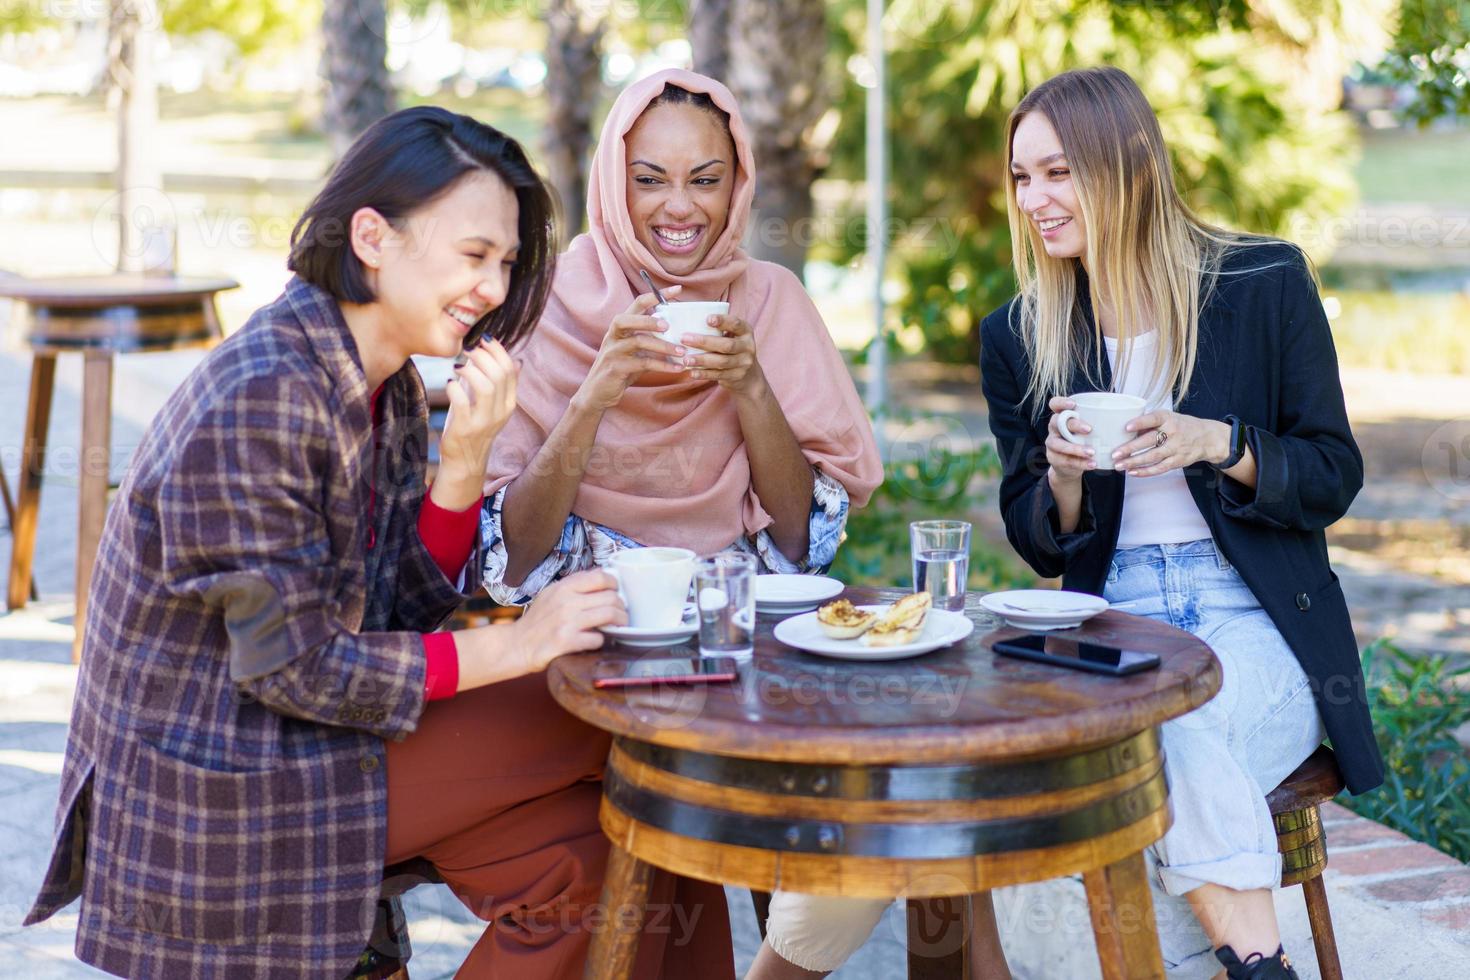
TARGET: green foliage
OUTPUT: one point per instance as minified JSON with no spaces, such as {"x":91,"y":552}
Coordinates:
{"x":1431,"y":52}
{"x":1417,"y":706}
{"x":923,"y":481}
{"x":1249,"y":152}
{"x":251,"y":24}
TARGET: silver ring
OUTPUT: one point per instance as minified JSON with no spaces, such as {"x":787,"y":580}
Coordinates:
{"x":1163,"y":438}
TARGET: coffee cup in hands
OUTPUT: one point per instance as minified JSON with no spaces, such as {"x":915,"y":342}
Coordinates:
{"x":691,"y":317}
{"x":1107,"y":412}
{"x":654,"y":584}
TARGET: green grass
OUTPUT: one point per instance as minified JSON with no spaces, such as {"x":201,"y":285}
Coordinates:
{"x":1420,"y":332}
{"x":1408,"y":166}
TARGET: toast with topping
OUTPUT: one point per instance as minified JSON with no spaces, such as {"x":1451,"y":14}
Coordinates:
{"x":841,"y":620}
{"x":902,"y":623}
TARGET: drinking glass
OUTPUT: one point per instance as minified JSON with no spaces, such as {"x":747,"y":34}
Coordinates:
{"x":940,"y":551}
{"x":724,"y":588}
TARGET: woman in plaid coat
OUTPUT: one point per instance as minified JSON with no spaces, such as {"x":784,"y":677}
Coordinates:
{"x":250,"y":742}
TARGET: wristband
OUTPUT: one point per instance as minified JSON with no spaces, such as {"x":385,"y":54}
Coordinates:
{"x":1237,"y":443}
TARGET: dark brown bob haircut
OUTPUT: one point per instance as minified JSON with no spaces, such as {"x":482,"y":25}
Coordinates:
{"x":403,"y":162}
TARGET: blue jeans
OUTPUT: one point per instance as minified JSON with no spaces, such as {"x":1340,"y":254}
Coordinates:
{"x":1224,"y":757}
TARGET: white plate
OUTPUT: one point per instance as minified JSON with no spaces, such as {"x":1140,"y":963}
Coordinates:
{"x":788,"y":594}
{"x":941,"y":628}
{"x":644,"y":636}
{"x":1044,"y":609}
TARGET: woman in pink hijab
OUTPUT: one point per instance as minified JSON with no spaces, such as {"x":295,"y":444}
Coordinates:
{"x":754,"y":439}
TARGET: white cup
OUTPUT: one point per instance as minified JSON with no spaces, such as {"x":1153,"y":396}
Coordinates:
{"x":1107,"y":412}
{"x":690,"y":317}
{"x":654,"y":584}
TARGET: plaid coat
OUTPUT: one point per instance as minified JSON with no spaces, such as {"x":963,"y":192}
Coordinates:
{"x":251,"y":640}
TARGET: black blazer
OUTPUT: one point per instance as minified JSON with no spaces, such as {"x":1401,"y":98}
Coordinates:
{"x":1266,"y":356}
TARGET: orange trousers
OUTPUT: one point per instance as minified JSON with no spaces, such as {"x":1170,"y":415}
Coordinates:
{"x":499,"y":789}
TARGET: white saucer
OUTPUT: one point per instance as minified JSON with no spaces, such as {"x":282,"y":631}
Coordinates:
{"x":941,"y":628}
{"x":786,"y":595}
{"x":646,"y":636}
{"x":1043,"y":609}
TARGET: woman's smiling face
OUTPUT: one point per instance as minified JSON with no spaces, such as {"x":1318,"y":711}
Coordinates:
{"x":681,"y":173}
{"x":1045,"y":191}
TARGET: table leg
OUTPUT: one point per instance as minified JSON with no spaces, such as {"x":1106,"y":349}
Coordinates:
{"x":10,"y":519}
{"x":96,"y":459}
{"x":939,"y":938}
{"x":762,"y":903}
{"x":28,"y":490}
{"x":1123,"y":920}
{"x":615,"y":942}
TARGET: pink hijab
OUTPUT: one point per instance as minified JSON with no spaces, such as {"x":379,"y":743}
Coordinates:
{"x":669,"y":466}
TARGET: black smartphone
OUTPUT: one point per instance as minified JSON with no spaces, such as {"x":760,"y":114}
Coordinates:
{"x":665,"y":670}
{"x":1063,"y":651}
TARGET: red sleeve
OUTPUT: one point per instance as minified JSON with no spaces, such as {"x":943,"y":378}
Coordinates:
{"x":449,"y":535}
{"x":441,"y":666}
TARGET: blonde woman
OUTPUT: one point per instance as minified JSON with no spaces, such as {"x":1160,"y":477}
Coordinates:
{"x":1213,"y":518}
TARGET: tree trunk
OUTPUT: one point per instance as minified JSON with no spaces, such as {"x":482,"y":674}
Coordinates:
{"x":142,"y":210}
{"x":354,"y":64}
{"x":709,"y":36}
{"x":574,"y":33}
{"x":776,"y":53}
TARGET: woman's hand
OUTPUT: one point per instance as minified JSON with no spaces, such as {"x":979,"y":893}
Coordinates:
{"x":629,"y":348}
{"x":566,"y":616}
{"x":729,"y":360}
{"x":482,"y":397}
{"x":1067,"y":459}
{"x":1172,"y":441}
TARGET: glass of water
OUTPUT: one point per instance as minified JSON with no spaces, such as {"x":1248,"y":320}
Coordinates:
{"x":724,"y":589}
{"x":941,"y":556}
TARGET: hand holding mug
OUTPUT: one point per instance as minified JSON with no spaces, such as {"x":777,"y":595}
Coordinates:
{"x":633,"y":344}
{"x":729,"y":356}
{"x":1169,"y":441}
{"x":566,"y":618}
{"x":1068,"y":458}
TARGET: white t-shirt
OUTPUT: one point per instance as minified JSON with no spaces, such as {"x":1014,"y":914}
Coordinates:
{"x":1156,"y":509}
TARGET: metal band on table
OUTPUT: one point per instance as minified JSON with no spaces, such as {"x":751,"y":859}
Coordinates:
{"x":888,"y":812}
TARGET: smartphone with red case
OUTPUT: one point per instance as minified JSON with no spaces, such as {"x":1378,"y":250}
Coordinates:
{"x":665,"y":670}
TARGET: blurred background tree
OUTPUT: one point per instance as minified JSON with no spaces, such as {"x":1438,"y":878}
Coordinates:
{"x":777,"y":52}
{"x":1242,"y":92}
{"x":574,"y":33}
{"x":355,"y":67}
{"x":1431,"y":52}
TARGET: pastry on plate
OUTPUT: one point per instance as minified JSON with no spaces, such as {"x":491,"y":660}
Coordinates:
{"x":901,"y":623}
{"x":841,"y":620}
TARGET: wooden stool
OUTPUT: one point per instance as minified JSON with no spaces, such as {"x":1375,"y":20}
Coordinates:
{"x":98,"y":317}
{"x":1295,"y":809}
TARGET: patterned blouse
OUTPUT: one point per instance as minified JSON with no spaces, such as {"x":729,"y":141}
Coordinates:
{"x":586,"y":545}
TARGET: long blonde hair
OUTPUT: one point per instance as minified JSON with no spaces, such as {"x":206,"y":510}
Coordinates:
{"x":1152,"y":260}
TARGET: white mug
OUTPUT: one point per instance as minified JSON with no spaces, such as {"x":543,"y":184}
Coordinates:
{"x":653,"y":584}
{"x":1107,"y":412}
{"x":690,"y":317}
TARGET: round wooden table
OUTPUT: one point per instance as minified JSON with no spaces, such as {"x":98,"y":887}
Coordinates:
{"x":98,"y":317}
{"x":945,"y":775}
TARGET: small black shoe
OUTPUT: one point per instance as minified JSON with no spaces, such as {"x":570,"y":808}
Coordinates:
{"x":1256,"y":966}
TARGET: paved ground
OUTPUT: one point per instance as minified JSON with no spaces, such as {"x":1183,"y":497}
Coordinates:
{"x":36,"y":680}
